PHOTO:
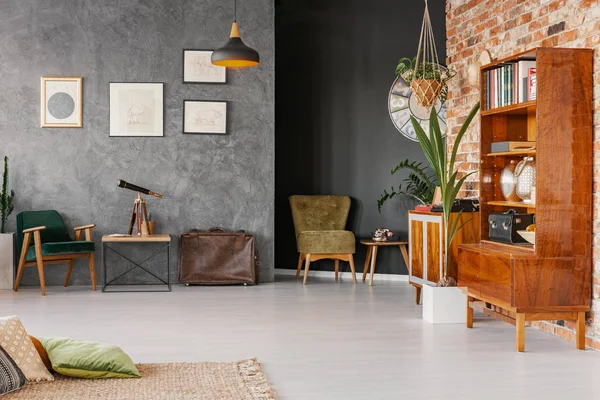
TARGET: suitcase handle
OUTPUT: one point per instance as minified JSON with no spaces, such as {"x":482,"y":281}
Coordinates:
{"x":217,"y":229}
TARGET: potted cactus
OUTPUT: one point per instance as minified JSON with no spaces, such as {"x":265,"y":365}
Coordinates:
{"x":7,"y":240}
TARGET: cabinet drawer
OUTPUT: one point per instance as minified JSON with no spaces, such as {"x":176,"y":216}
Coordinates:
{"x":495,"y":277}
{"x":468,"y":271}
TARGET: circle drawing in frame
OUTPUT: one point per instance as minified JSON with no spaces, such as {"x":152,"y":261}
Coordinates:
{"x":61,"y":105}
{"x":402,"y":105}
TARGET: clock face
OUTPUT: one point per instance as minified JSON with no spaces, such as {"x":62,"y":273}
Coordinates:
{"x":402,"y":105}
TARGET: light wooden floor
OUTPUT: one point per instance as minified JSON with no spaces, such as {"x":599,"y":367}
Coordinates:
{"x":325,"y":340}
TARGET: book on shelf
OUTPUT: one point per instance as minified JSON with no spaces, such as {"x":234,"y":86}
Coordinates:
{"x":523,"y":78}
{"x":511,"y":83}
{"x":532,"y":88}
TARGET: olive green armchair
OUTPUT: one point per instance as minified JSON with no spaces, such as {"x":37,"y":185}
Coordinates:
{"x":52,"y":244}
{"x":320,"y":222}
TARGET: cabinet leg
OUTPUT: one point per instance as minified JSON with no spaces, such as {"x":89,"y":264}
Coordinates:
{"x":417,"y":295}
{"x":469,"y":312}
{"x":520,"y":332}
{"x":580,"y":332}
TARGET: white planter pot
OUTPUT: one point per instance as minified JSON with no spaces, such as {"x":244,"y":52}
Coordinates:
{"x":444,"y":305}
{"x":7,"y":260}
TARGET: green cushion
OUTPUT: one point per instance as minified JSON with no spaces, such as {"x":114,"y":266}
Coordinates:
{"x":49,"y":249}
{"x":55,"y":231}
{"x":82,"y":359}
{"x":323,"y":242}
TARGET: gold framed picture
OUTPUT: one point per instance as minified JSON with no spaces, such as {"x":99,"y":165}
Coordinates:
{"x":62,"y":105}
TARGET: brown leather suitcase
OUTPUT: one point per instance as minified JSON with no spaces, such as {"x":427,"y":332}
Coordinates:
{"x":218,"y":257}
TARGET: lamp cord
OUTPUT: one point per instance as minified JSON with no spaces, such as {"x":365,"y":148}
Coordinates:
{"x":234,"y":10}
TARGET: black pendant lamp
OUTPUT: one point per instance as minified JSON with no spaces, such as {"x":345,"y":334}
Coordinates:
{"x":235,"y":53}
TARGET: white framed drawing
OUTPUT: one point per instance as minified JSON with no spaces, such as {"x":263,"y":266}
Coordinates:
{"x":136,"y":109}
{"x":62,"y":102}
{"x":205,"y":117}
{"x":197,"y":68}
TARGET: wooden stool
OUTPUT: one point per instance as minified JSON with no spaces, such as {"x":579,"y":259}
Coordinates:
{"x":372,"y":255}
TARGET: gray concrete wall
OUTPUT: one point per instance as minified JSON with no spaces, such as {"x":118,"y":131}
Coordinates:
{"x":207,"y":180}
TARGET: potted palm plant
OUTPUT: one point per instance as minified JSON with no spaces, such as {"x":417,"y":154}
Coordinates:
{"x":451,"y":299}
{"x":6,"y":239}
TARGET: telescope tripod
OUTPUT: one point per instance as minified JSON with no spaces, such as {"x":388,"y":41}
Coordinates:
{"x":139,"y":217}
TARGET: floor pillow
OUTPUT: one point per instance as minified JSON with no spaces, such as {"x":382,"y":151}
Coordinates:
{"x":41,"y":351}
{"x":11,"y":376}
{"x":15,"y":341}
{"x":83,"y":359}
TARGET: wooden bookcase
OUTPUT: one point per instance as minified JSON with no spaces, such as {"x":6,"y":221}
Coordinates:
{"x":551,"y":281}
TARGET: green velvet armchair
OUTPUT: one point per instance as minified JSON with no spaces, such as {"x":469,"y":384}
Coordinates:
{"x":52,"y":244}
{"x":320,"y":222}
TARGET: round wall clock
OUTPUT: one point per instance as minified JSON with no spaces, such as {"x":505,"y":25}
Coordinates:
{"x":402,"y":105}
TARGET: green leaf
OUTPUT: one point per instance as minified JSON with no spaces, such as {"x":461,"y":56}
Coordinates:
{"x":461,"y":133}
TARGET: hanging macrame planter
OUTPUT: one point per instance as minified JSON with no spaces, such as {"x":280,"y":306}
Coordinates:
{"x":428,"y":77}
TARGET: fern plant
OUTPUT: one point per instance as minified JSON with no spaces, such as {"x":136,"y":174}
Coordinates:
{"x":6,"y":199}
{"x":427,"y":71}
{"x":419,"y":185}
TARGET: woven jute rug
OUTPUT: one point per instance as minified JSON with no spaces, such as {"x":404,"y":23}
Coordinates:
{"x":240,"y":380}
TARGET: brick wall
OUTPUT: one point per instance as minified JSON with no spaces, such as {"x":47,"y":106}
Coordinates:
{"x":505,"y":27}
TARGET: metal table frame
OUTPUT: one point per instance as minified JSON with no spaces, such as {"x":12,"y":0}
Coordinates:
{"x":136,"y":265}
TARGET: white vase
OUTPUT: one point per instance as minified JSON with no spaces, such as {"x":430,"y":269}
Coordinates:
{"x":444,"y":305}
{"x":7,"y":260}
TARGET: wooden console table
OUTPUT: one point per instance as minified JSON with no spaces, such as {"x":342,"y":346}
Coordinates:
{"x":372,"y":255}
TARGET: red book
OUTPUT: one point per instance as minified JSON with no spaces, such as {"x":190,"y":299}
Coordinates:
{"x":423,"y":207}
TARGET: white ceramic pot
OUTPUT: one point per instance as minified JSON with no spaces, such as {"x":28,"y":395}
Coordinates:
{"x":7,"y":260}
{"x":444,"y":305}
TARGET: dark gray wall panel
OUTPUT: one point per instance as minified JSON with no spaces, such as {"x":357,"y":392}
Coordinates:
{"x":335,"y":65}
{"x":207,"y":180}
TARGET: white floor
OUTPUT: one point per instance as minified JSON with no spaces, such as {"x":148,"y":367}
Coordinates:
{"x":326,"y":340}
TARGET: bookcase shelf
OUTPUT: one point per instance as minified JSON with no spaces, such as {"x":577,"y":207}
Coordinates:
{"x":515,"y":204}
{"x":523,"y":108}
{"x":551,"y":280}
{"x":520,"y":153}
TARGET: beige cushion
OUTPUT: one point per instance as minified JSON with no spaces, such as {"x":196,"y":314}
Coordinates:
{"x":15,"y":341}
{"x":326,"y":242}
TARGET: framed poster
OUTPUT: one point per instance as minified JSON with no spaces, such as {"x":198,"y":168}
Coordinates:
{"x":136,"y":109}
{"x":197,"y":68}
{"x":62,"y":104}
{"x":205,"y":117}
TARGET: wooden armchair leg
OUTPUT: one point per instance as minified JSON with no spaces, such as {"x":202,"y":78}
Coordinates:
{"x":351,"y":259}
{"x":24,"y":248}
{"x":39,"y":259}
{"x":300,"y":259}
{"x":306,"y":267}
{"x":337,"y":268}
{"x":69,"y":269}
{"x":92,"y":270}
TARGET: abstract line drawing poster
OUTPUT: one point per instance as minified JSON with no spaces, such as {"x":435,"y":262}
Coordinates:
{"x":136,"y":109}
{"x":205,"y":117}
{"x":198,"y":68}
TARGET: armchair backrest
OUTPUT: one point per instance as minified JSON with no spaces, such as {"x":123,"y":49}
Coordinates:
{"x":319,"y":213}
{"x":55,"y":231}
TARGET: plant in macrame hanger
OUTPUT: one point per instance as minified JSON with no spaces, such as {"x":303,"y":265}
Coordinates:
{"x":427,"y":78}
